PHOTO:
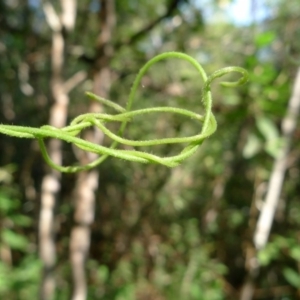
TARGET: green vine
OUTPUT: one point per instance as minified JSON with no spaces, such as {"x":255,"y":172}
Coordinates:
{"x":124,"y":115}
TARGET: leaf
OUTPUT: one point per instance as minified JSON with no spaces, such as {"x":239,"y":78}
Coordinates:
{"x":265,"y":38}
{"x":21,"y":220}
{"x":7,"y":204}
{"x":14,"y":240}
{"x":292,"y":277}
{"x":295,"y":253}
{"x":270,"y":252}
{"x":267,"y":128}
{"x":195,"y":291}
{"x":273,"y":147}
{"x":4,"y":278}
{"x":271,"y":134}
{"x":103,"y":273}
{"x":252,"y":147}
{"x":264,"y":258}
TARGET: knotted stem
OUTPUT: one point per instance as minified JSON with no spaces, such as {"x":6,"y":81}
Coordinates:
{"x":124,"y":115}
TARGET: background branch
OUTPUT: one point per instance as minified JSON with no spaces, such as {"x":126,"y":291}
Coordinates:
{"x":289,"y":124}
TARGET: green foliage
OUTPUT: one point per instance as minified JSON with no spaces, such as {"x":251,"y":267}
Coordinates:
{"x":277,"y":247}
{"x":194,"y":276}
{"x":17,"y":281}
{"x":280,"y":248}
{"x":10,"y":216}
{"x":21,"y":281}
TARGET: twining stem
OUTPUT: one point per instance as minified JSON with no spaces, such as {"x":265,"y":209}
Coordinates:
{"x":125,"y":115}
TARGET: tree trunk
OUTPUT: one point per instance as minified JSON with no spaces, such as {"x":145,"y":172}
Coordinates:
{"x":289,"y":124}
{"x":58,"y":116}
{"x":87,"y":181}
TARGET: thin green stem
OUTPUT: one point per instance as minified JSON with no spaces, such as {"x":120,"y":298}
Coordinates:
{"x":70,"y":133}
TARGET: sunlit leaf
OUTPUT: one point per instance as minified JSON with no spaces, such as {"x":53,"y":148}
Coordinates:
{"x":265,"y":38}
{"x":295,"y":253}
{"x":267,"y":128}
{"x":270,"y":252}
{"x":273,"y":147}
{"x":252,"y":147}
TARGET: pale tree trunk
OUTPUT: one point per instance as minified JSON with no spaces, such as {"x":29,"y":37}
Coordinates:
{"x":58,"y":116}
{"x":87,"y":181}
{"x":265,"y":220}
{"x":273,"y":194}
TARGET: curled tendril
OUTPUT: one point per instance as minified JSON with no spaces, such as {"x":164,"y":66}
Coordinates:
{"x":125,"y":115}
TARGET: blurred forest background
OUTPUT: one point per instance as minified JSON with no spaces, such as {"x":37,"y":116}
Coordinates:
{"x":128,"y":231}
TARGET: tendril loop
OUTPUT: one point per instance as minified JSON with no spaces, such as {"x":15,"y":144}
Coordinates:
{"x":124,"y":115}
